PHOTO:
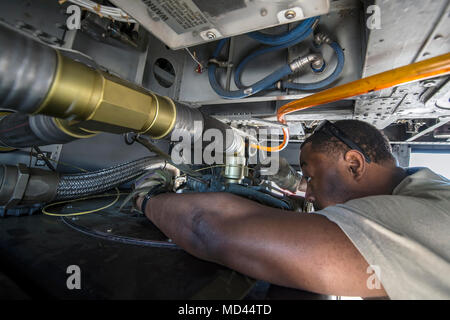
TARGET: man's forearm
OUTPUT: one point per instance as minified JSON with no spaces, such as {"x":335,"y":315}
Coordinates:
{"x":196,"y":222}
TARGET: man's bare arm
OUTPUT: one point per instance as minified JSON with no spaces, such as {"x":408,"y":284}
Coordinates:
{"x":305,"y":251}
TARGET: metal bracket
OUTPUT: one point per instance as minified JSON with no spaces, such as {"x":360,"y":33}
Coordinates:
{"x":23,"y":175}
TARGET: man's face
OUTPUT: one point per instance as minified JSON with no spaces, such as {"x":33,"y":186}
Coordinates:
{"x":328,"y":183}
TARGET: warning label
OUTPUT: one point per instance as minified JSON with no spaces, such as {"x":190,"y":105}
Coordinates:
{"x":181,"y":15}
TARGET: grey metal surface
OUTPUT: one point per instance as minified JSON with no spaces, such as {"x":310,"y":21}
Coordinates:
{"x":47,"y":18}
{"x":440,"y":98}
{"x":343,"y":25}
{"x":122,"y":62}
{"x":157,"y":50}
{"x":184,"y":23}
{"x":410,"y":31}
{"x":406,"y":26}
{"x":412,"y":101}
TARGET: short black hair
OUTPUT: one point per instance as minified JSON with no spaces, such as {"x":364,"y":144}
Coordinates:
{"x":371,"y":140}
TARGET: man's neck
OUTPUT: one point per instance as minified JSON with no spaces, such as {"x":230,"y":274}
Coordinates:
{"x":383,"y":179}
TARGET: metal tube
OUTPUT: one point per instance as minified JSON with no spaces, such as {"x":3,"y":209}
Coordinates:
{"x":20,"y":185}
{"x":38,"y":79}
{"x":433,"y":67}
{"x":83,"y":101}
{"x":19,"y":130}
{"x":27,"y":68}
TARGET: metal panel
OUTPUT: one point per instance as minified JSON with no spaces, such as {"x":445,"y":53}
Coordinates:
{"x":42,"y":17}
{"x":406,"y":27}
{"x":120,"y":61}
{"x":343,"y":25}
{"x":184,"y":23}
{"x":177,"y":59}
{"x":413,"y":101}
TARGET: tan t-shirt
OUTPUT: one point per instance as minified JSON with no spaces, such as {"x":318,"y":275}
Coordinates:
{"x":406,"y":235}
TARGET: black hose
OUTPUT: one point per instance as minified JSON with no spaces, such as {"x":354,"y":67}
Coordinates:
{"x":121,"y":239}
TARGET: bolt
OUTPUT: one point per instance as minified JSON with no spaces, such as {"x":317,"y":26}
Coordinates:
{"x":210,"y":35}
{"x":290,"y":14}
{"x":429,"y":83}
{"x":263,"y":12}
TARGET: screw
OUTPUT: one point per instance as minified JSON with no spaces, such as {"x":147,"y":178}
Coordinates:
{"x":290,"y":14}
{"x":263,"y":12}
{"x":210,"y":35}
{"x":429,"y":83}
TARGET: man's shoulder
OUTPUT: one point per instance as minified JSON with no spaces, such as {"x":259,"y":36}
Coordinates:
{"x":423,"y":183}
{"x":405,"y":233}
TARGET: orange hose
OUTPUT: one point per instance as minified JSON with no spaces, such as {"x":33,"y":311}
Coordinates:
{"x":277,"y":148}
{"x":437,"y":66}
{"x":433,"y":67}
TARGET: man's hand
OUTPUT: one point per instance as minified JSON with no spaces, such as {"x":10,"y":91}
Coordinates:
{"x":139,"y":201}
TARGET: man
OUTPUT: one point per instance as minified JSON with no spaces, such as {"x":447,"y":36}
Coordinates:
{"x":371,"y":216}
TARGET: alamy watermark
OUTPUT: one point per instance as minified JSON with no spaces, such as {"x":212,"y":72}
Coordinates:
{"x":212,"y":147}
{"x":74,"y":279}
{"x":374,"y":280}
{"x":73,"y":22}
{"x":374,"y":20}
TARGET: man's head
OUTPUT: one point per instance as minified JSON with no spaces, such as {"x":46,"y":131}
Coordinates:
{"x":338,"y":173}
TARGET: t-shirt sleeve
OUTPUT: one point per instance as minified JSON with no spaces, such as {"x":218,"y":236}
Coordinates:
{"x":410,"y":251}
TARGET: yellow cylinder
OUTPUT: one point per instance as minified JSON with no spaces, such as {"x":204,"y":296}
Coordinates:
{"x":90,"y":101}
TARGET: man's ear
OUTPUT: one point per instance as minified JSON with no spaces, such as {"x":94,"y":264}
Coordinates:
{"x":356,"y":163}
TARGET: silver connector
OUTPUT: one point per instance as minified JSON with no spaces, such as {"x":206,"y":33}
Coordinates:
{"x":321,"y":38}
{"x":313,"y":58}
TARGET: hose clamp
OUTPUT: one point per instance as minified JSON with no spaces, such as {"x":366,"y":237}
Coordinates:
{"x":221,"y":64}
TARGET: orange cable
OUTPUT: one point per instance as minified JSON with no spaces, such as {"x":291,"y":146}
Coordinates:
{"x":433,"y":67}
{"x":429,"y":68}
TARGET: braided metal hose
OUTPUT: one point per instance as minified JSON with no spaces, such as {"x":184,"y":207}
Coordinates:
{"x":72,"y":186}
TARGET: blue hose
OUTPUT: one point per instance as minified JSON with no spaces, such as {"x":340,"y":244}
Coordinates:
{"x":277,"y":42}
{"x":255,"y":88}
{"x":325,"y":82}
{"x":300,"y":37}
{"x":242,"y":93}
{"x":279,"y":39}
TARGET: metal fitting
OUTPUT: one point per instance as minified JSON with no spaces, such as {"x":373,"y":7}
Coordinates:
{"x":321,"y":38}
{"x":235,"y":169}
{"x":315,"y":59}
{"x":20,"y":185}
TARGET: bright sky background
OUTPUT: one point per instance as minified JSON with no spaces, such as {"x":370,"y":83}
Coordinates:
{"x":437,"y":162}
